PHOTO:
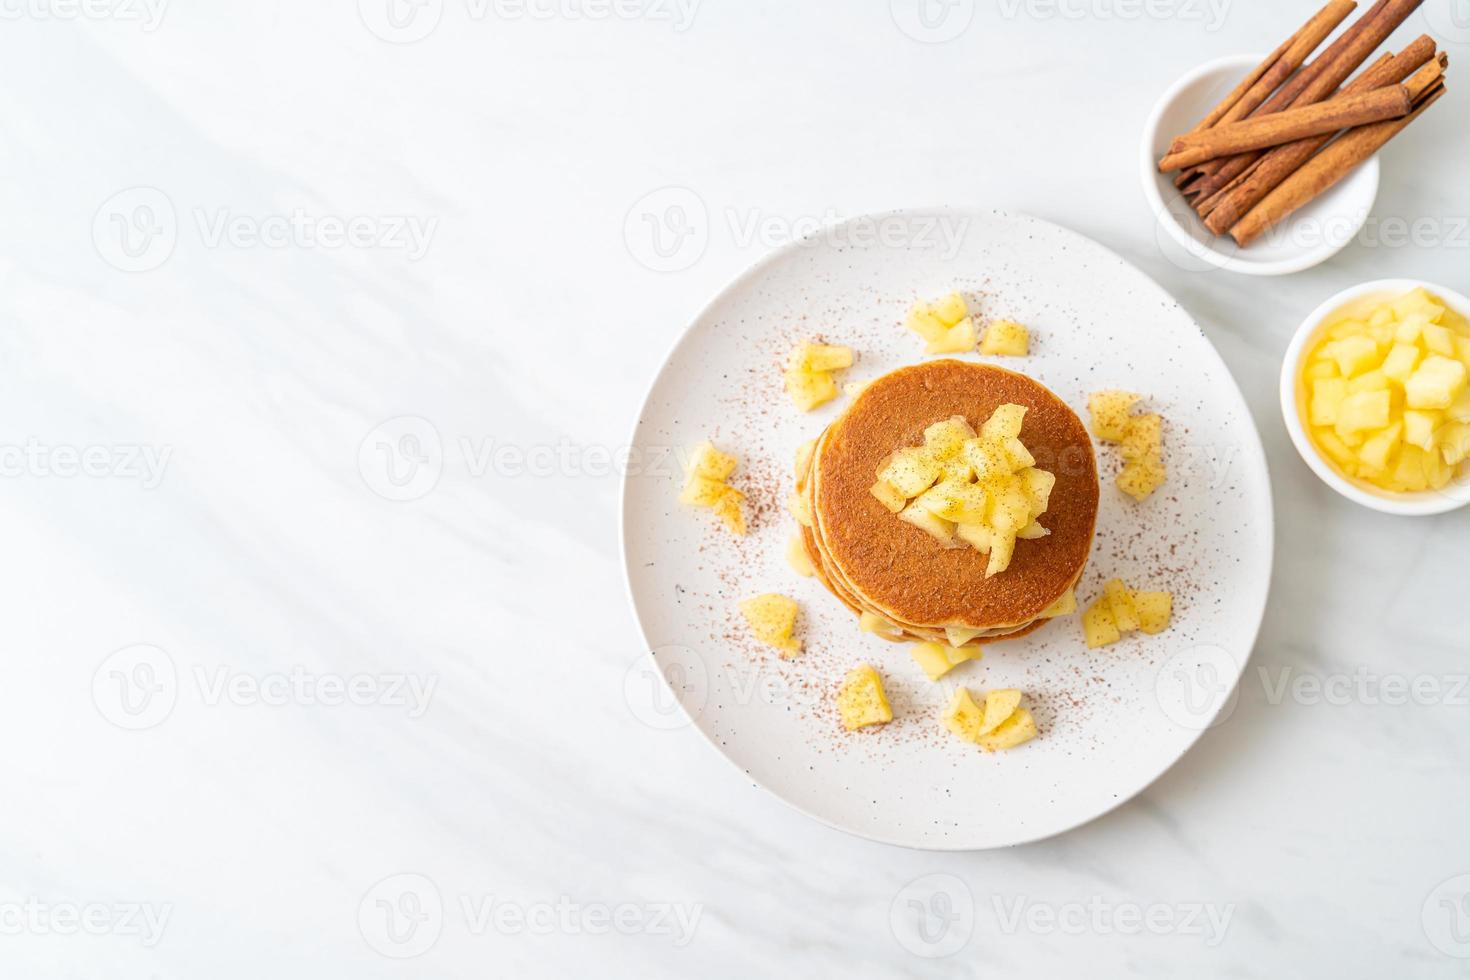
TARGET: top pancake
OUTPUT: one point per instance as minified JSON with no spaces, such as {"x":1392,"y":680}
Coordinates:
{"x":900,"y":567}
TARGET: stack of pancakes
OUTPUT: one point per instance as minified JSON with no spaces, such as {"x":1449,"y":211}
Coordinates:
{"x":915,"y":586}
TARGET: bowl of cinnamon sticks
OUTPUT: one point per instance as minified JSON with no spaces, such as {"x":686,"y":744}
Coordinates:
{"x":1268,"y":166}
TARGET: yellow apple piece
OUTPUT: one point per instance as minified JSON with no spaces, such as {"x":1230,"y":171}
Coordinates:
{"x":963,"y":716}
{"x":1098,"y":625}
{"x":999,"y":706}
{"x":960,"y":502}
{"x":889,"y":496}
{"x":1143,"y":435}
{"x":861,"y":700}
{"x":1153,"y":610}
{"x":1420,"y":428}
{"x":819,"y":357}
{"x":946,"y":440}
{"x":1120,"y":601}
{"x":708,"y":462}
{"x":870,"y":622}
{"x":1354,"y":355}
{"x":910,"y":471}
{"x":955,"y":340}
{"x":1005,"y":422}
{"x":1435,"y":383}
{"x":977,"y":536}
{"x":701,"y":491}
{"x":1006,"y":338}
{"x":798,"y":558}
{"x":1400,"y":362}
{"x":1018,"y":728}
{"x":1365,"y":410}
{"x":797,"y":504}
{"x":728,"y":509}
{"x":937,"y":527}
{"x":1065,"y":606}
{"x":926,"y":323}
{"x":1327,"y":396}
{"x":1141,"y":477}
{"x":958,"y":636}
{"x":951,"y":310}
{"x":1002,"y":549}
{"x":938,"y":659}
{"x":772,"y":618}
{"x":810,"y":389}
{"x":804,"y":457}
{"x":1109,"y":411}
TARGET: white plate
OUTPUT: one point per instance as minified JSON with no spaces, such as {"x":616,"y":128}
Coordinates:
{"x":1112,"y":720}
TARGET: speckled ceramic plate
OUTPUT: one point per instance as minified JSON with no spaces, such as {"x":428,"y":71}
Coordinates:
{"x":1112,"y":720}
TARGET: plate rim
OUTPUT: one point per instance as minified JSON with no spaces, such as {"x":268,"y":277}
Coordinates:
{"x":1254,"y":448}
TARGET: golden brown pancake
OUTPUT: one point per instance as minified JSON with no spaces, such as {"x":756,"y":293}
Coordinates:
{"x":901,"y":571}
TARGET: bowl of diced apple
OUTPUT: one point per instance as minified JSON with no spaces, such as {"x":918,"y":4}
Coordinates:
{"x":1375,"y":390}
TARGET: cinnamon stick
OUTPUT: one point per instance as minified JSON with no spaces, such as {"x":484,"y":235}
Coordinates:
{"x":1341,"y":58}
{"x":1390,"y":69}
{"x":1279,"y":65}
{"x":1324,"y":171}
{"x":1343,"y":112}
{"x":1278,"y":164}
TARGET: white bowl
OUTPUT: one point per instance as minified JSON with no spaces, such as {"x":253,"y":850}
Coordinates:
{"x":1310,"y":236}
{"x":1427,"y":502}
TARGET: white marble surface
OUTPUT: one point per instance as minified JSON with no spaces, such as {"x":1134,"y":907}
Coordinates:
{"x":233,"y":513}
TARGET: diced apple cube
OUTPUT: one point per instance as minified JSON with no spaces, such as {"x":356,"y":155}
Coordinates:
{"x":819,"y":357}
{"x":1065,"y":606}
{"x":987,"y":459}
{"x":1002,"y":546}
{"x":1143,"y":435}
{"x":1382,"y":317}
{"x":1005,"y":422}
{"x":1439,"y":340}
{"x":910,"y":471}
{"x":728,"y":509}
{"x":1120,"y":601}
{"x":931,"y":658}
{"x":1379,"y":449}
{"x":1354,"y":355}
{"x":1327,"y":396}
{"x":1368,"y":381}
{"x":1335,"y":448}
{"x":800,"y":509}
{"x":977,"y":536}
{"x":926,"y":323}
{"x":1006,"y":338}
{"x":804,"y":457}
{"x":1010,"y":507}
{"x":1154,"y":610}
{"x":1098,"y":625}
{"x":999,"y":707}
{"x":1420,"y":428}
{"x":700,"y":491}
{"x":963,"y":503}
{"x":809,"y":389}
{"x":1454,"y":443}
{"x":710,"y":463}
{"x":955,"y":340}
{"x":947,"y":439}
{"x":1365,"y":410}
{"x":1436,"y":383}
{"x":1018,"y":728}
{"x":1141,"y":477}
{"x":889,"y":496}
{"x":1321,"y":368}
{"x":1109,"y":411}
{"x":772,"y":618}
{"x":1411,"y":472}
{"x":963,"y":716}
{"x":1038,"y":485}
{"x":1032,"y":532}
{"x":952,"y":309}
{"x":937,"y":527}
{"x":958,"y":636}
{"x":861,"y":701}
{"x":798,"y":558}
{"x":1016,"y":453}
{"x":1400,"y":362}
{"x":873,"y":623}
